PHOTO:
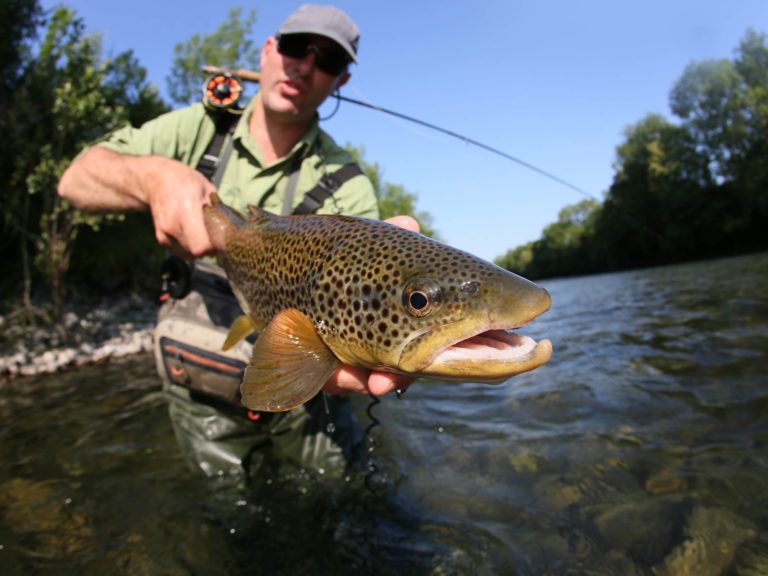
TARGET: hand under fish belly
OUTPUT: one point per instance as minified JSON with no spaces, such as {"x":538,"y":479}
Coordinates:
{"x":330,"y":290}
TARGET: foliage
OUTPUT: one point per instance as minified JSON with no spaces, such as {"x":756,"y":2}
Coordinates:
{"x":19,"y":20}
{"x":692,"y":189}
{"x":68,"y":96}
{"x":564,"y":247}
{"x":231,"y":46}
{"x":394,"y":199}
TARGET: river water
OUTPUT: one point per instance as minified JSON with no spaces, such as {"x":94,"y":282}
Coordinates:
{"x":641,"y":448}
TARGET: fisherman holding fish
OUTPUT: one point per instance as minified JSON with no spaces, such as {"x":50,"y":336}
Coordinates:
{"x":278,"y":154}
{"x":336,"y":303}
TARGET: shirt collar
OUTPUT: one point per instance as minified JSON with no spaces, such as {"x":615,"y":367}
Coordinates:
{"x":242,"y":134}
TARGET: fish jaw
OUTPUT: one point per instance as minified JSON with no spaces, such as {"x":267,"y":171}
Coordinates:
{"x":490,"y":357}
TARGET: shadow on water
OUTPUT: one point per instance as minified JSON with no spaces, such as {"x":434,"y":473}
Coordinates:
{"x":642,"y":448}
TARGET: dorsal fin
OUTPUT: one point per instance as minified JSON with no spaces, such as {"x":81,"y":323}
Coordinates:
{"x":259,"y":215}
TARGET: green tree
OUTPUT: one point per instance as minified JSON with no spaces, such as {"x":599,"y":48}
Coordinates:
{"x":752,"y":172}
{"x":70,"y":95}
{"x":655,"y":209}
{"x":19,"y":20}
{"x":724,"y":106}
{"x":394,"y":199}
{"x":709,"y":97}
{"x":564,"y":248}
{"x":518,"y":260}
{"x":231,"y":45}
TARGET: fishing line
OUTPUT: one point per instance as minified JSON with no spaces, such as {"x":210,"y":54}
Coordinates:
{"x":330,"y":427}
{"x":252,"y":76}
{"x":336,"y":95}
{"x":371,"y":444}
{"x":466,"y":140}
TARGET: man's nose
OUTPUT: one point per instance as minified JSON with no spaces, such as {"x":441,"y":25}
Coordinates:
{"x":307,"y":64}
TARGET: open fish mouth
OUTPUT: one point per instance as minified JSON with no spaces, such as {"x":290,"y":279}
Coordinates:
{"x":491,"y":344}
{"x":491,"y":356}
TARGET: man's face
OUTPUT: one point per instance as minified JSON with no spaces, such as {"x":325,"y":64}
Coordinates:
{"x":292,"y":89}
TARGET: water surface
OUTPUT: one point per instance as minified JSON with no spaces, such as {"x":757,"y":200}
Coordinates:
{"x":642,"y":448}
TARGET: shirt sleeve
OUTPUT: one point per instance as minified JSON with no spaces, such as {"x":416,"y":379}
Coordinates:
{"x":173,"y":135}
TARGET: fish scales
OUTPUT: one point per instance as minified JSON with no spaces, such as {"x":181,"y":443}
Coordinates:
{"x":367,"y":293}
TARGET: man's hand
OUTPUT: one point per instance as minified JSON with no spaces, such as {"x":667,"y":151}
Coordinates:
{"x":101,"y":180}
{"x":175,"y":194}
{"x":362,"y":381}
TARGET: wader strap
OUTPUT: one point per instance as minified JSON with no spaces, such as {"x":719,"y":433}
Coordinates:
{"x":212,"y":157}
{"x":223,"y":161}
{"x":324,"y":189}
{"x":290,"y":187}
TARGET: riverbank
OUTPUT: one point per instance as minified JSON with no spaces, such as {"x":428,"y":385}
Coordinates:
{"x":92,"y":332}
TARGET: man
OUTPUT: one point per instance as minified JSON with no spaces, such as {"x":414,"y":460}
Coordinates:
{"x":277,"y":151}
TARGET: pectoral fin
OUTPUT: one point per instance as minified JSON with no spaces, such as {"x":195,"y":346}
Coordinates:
{"x":289,"y":365}
{"x":242,"y":327}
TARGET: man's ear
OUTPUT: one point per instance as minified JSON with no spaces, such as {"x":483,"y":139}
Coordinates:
{"x":269,"y":44}
{"x":340,"y":81}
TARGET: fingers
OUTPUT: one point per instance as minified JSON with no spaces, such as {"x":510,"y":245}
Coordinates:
{"x":172,"y":245}
{"x":407,"y":222}
{"x":361,"y":381}
{"x":193,"y":230}
{"x":176,"y":204}
{"x":380,"y":383}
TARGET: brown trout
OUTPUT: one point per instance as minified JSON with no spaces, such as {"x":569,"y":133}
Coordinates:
{"x":326,"y":290}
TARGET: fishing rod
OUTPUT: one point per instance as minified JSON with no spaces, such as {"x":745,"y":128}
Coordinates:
{"x":253,"y":76}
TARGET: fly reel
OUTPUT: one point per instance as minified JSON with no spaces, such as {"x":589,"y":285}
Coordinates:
{"x":221,"y":91}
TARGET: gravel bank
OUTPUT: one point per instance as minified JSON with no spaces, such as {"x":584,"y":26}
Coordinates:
{"x":93,"y":332}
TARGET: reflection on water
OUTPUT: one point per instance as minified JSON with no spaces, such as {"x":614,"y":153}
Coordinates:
{"x":642,"y":448}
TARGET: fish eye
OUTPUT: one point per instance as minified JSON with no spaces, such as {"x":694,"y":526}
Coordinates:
{"x":421,"y":297}
{"x":418,"y":300}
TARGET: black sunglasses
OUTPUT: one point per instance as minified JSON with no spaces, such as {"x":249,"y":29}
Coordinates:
{"x":330,"y":61}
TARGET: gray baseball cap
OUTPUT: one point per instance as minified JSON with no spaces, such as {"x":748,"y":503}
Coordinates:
{"x":326,"y":21}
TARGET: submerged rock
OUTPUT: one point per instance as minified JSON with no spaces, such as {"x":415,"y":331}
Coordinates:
{"x":713,"y":535}
{"x":752,"y":558}
{"x":666,"y":481}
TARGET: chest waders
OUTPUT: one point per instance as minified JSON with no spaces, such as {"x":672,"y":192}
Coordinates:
{"x":215,"y":432}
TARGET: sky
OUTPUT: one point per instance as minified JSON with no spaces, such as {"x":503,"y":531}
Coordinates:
{"x":553,"y":83}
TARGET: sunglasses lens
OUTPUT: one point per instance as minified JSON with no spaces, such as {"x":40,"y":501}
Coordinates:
{"x":330,"y":61}
{"x":293,"y":46}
